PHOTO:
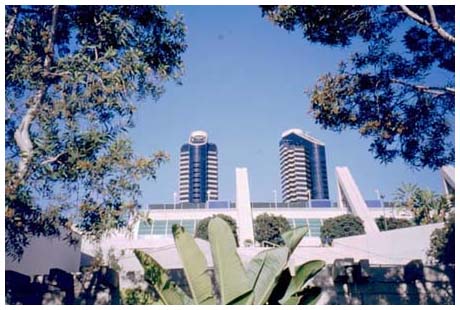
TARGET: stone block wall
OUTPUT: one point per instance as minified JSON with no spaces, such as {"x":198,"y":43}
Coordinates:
{"x":412,"y":284}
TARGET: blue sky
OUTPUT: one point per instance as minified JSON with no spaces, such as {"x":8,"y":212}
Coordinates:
{"x":244,"y":84}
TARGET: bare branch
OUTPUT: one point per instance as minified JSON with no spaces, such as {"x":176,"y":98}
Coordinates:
{"x":433,"y":24}
{"x":437,"y":27}
{"x":426,"y":89}
{"x":52,"y":159}
{"x":9,"y":29}
{"x":21,"y":135}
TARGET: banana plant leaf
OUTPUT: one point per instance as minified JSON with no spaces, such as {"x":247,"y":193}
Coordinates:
{"x":168,"y":291}
{"x":303,"y":273}
{"x":264,"y":270}
{"x":230,"y":273}
{"x":195,"y":267}
{"x":293,"y":237}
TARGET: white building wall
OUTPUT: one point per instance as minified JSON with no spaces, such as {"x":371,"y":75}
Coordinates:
{"x":44,"y":253}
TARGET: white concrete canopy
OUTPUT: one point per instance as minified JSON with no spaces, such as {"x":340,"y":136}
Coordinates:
{"x":243,"y":207}
{"x":448,"y":178}
{"x":350,"y":193}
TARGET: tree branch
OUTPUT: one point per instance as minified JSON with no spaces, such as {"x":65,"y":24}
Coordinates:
{"x":426,"y":89}
{"x":433,"y":24}
{"x":21,"y":135}
{"x":9,"y":29}
{"x":52,"y":159}
{"x":437,"y":27}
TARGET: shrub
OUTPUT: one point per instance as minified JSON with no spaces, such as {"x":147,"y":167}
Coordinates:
{"x":201,"y":230}
{"x":267,"y":278}
{"x":342,"y":226}
{"x":269,"y":227}
{"x":136,"y":296}
{"x":392,"y":223}
{"x":442,"y":247}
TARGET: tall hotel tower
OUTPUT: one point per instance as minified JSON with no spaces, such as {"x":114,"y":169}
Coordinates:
{"x":198,"y":169}
{"x":303,"y":167}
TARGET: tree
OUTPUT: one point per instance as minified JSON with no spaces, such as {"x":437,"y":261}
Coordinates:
{"x":426,"y":206}
{"x":269,"y":227}
{"x":73,"y":77}
{"x":137,"y":296}
{"x":389,"y":223}
{"x":442,"y":247}
{"x":267,"y":279}
{"x":341,"y":226}
{"x":399,"y":90}
{"x":201,"y":230}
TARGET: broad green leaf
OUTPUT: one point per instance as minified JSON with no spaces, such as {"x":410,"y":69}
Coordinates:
{"x":168,"y":291}
{"x":264,"y":271}
{"x":245,"y":299}
{"x":229,"y":270}
{"x":195,"y":267}
{"x":303,"y":273}
{"x":293,"y":237}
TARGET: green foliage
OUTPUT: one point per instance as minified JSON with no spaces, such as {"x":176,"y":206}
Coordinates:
{"x":137,"y":296}
{"x":266,"y":280}
{"x":195,"y":267}
{"x":389,"y":223}
{"x":111,"y":259}
{"x":442,"y":247}
{"x":230,"y":274}
{"x":168,"y":292}
{"x":385,"y":91}
{"x":425,"y":206}
{"x":342,"y":226}
{"x":269,"y":227}
{"x":73,"y":75}
{"x":201,"y":230}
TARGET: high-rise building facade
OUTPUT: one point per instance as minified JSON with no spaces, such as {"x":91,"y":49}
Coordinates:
{"x":303,"y":167}
{"x":198,"y":169}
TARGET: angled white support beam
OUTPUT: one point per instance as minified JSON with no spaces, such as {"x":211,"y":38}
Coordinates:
{"x":243,"y":207}
{"x":448,"y":179}
{"x":354,"y":200}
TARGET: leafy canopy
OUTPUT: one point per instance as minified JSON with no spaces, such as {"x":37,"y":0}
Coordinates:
{"x":398,"y":90}
{"x":201,"y":230}
{"x":269,"y":227}
{"x":73,"y":76}
{"x":425,"y":206}
{"x":390,"y":223}
{"x":341,"y":226}
{"x":442,"y":243}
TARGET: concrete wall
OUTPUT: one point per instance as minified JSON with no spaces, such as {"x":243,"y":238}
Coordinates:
{"x":44,"y":253}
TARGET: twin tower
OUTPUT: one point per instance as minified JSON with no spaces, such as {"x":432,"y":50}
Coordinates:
{"x":302,"y":164}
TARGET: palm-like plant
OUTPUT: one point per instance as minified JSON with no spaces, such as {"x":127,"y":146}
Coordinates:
{"x":426,"y":206}
{"x":266,"y":280}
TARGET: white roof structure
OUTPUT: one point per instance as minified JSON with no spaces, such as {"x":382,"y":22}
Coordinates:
{"x":198,"y":137}
{"x":394,"y":247}
{"x":302,"y":134}
{"x":448,"y":178}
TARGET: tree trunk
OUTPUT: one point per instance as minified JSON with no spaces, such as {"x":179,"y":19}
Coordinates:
{"x":22,"y":135}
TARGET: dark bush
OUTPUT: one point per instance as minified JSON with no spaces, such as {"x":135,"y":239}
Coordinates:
{"x":342,"y":226}
{"x":136,"y":296}
{"x":442,"y":248}
{"x":392,"y":223}
{"x":269,"y":227}
{"x":201,"y":230}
